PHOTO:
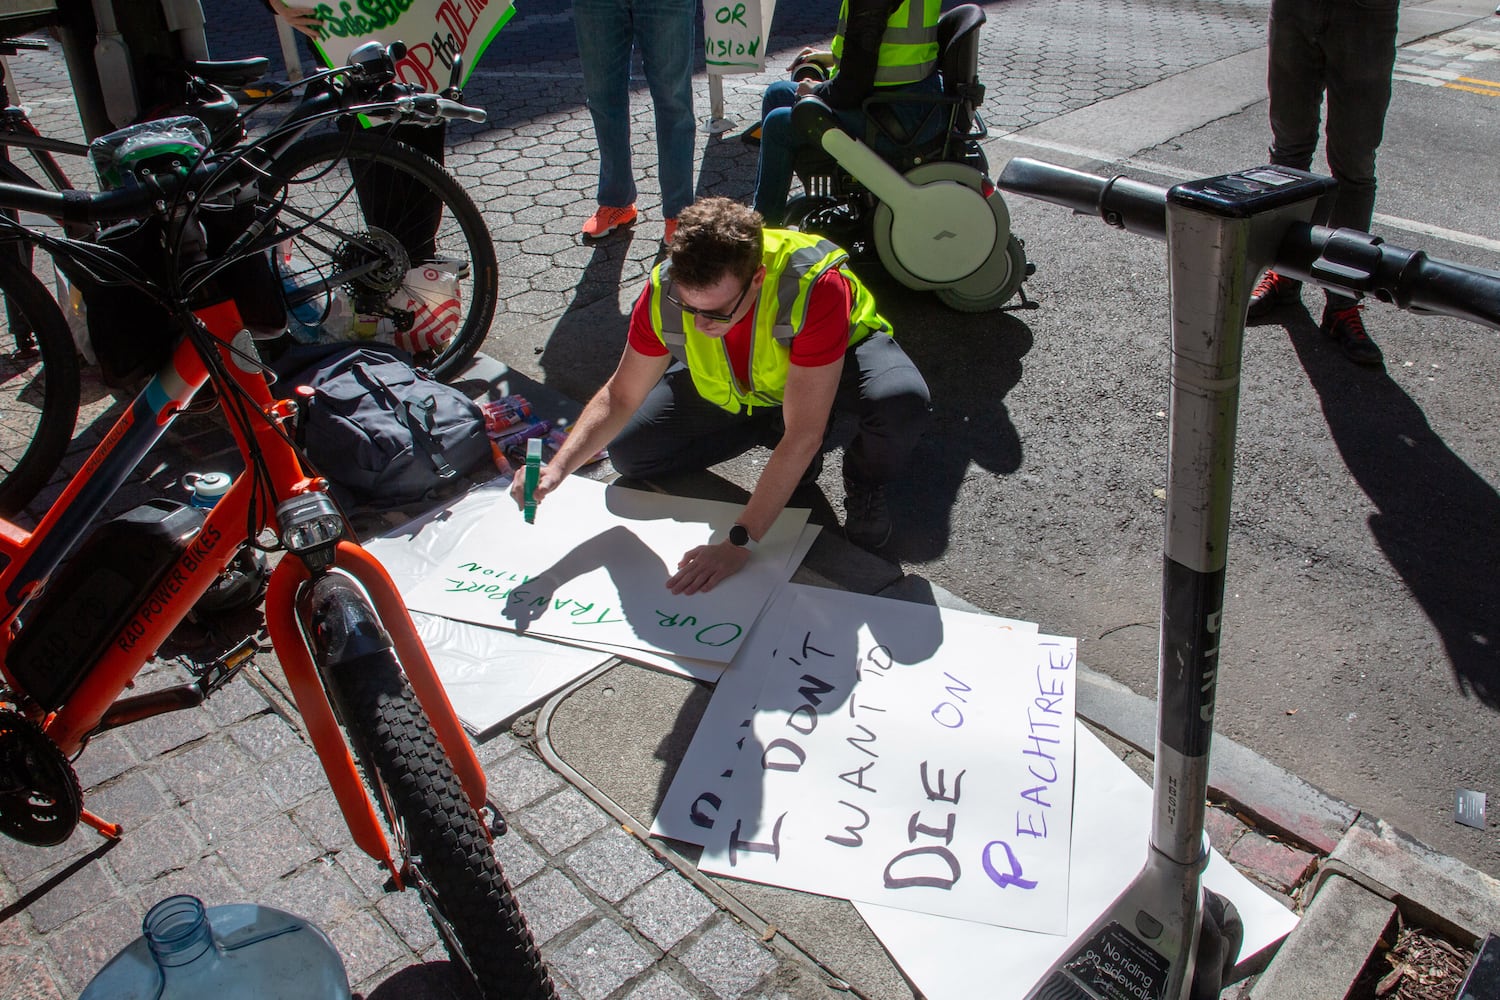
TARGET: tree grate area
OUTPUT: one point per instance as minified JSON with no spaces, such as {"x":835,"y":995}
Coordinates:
{"x":1419,"y":966}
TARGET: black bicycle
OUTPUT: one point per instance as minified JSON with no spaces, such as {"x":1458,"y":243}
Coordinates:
{"x":335,"y":232}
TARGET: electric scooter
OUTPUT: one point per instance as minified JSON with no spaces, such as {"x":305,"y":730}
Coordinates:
{"x":1220,"y":232}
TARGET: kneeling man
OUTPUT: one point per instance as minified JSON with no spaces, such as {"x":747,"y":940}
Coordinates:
{"x":745,"y":336}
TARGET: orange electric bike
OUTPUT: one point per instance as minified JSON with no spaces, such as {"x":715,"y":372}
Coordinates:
{"x":86,"y":601}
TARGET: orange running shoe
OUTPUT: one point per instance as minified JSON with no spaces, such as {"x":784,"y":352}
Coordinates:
{"x":607,"y":219}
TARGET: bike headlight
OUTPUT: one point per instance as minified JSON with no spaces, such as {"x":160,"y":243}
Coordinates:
{"x":310,"y":528}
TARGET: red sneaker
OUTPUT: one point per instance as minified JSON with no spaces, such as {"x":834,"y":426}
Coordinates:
{"x":1271,"y":291}
{"x":607,"y":219}
{"x":671,"y":231}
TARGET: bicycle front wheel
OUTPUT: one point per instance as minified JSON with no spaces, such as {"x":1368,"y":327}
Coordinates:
{"x":38,"y":384}
{"x":444,"y":852}
{"x":382,"y":242}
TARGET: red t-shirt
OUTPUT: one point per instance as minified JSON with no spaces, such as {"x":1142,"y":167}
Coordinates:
{"x":823,"y":339}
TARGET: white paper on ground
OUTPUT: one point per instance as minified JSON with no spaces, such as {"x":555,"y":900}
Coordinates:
{"x":700,"y":670}
{"x":593,"y":568}
{"x":958,"y":959}
{"x":700,"y":783}
{"x":492,"y":675}
{"x":697,"y":791}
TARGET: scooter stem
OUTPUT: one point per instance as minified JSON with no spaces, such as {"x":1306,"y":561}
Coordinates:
{"x":1218,"y":238}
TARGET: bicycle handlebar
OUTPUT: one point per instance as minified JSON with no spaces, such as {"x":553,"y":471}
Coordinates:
{"x":1345,"y":260}
{"x":432,"y":106}
{"x":86,"y":206}
{"x":367,"y":78}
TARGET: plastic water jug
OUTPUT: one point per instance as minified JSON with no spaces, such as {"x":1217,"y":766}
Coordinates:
{"x":235,"y":952}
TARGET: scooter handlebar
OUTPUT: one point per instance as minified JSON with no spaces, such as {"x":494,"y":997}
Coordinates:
{"x":1344,"y":260}
{"x":1126,"y":204}
{"x":1351,"y":261}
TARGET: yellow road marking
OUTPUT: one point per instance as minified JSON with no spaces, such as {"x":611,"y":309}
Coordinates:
{"x":1471,"y":79}
{"x":1473,"y":90}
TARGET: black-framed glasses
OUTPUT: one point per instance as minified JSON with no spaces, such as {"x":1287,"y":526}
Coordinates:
{"x":713,"y":317}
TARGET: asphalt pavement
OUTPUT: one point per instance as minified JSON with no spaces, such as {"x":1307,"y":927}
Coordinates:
{"x":1359,"y":688}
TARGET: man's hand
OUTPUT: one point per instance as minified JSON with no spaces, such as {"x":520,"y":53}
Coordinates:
{"x":822,"y":57}
{"x":705,"y":567}
{"x":548,"y":481}
{"x":299,"y":18}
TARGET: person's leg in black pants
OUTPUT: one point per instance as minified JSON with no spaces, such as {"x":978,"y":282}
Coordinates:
{"x":677,"y":430}
{"x":883,"y":389}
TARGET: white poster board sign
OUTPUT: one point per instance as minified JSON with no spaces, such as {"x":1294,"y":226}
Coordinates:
{"x":434,"y":31}
{"x":593,"y":569}
{"x":959,"y":960}
{"x":903,"y":754}
{"x":691,"y":805}
{"x":735,"y":33}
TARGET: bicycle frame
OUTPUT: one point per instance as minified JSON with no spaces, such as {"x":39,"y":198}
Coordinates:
{"x":28,"y":559}
{"x":18,"y":132}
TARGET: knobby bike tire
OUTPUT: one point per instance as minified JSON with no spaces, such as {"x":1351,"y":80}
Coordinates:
{"x":38,"y":384}
{"x":423,"y":800}
{"x":377,"y":201}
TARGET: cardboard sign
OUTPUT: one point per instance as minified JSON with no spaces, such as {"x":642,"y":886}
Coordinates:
{"x":735,"y":33}
{"x":592,"y":569}
{"x":957,"y":959}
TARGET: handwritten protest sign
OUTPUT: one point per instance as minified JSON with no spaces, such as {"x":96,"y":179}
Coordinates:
{"x":593,"y":569}
{"x":689,"y":808}
{"x":959,"y":960}
{"x":735,"y":34}
{"x":434,"y":31}
{"x":903,"y":755}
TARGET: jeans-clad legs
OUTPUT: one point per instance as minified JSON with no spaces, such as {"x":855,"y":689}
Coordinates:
{"x":663,"y":32}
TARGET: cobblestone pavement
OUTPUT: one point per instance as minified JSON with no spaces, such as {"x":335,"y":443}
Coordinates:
{"x":229,"y":803}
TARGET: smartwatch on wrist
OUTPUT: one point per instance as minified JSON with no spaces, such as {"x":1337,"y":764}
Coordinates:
{"x":739,"y":536}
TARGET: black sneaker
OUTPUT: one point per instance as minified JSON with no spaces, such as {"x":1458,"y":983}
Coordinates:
{"x":1271,"y":291}
{"x":867,"y":521}
{"x":1345,"y":326}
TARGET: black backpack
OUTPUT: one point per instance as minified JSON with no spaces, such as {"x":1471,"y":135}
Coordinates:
{"x":384,"y":433}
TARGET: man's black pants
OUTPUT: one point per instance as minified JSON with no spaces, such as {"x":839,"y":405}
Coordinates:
{"x":676,"y":430}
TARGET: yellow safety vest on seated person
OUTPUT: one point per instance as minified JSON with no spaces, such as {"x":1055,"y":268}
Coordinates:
{"x":909,"y":47}
{"x":793,"y":262}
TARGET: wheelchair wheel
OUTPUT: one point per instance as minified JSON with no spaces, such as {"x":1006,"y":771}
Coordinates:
{"x":963,"y":300}
{"x":982,"y":264}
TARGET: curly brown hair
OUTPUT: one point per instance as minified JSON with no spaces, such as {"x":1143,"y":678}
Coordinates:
{"x":716,"y":236}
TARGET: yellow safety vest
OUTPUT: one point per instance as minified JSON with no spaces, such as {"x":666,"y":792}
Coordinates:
{"x":909,"y":47}
{"x":794,"y":261}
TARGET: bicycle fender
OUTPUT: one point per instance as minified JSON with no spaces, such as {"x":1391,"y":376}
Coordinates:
{"x":420,"y":673}
{"x":317,"y":713}
{"x":362,"y":567}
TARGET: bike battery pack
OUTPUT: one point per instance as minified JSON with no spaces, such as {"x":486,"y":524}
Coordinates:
{"x":89,"y":602}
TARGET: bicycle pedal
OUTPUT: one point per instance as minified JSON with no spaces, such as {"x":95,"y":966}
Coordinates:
{"x":219,"y":672}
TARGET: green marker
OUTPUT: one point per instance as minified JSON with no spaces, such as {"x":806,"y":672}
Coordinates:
{"x":533,"y":473}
